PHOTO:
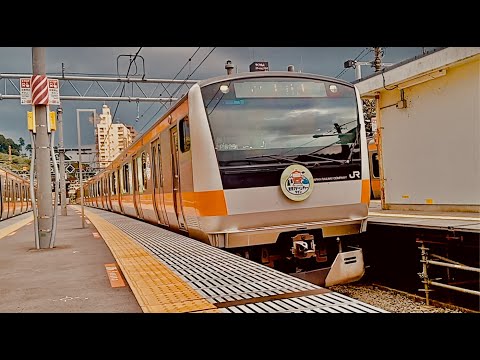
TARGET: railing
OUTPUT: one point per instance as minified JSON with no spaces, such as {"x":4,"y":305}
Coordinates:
{"x":447,"y":263}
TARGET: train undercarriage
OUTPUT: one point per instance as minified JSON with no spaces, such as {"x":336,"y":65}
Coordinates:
{"x":310,"y":256}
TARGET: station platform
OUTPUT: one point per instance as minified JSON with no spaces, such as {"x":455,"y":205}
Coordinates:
{"x":458,"y":221}
{"x":70,"y":278}
{"x":163,"y":272}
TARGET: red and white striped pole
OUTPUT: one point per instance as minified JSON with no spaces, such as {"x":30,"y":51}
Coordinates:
{"x":42,"y":150}
{"x":39,"y":90}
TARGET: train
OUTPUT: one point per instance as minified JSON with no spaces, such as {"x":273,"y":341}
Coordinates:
{"x":270,"y":165}
{"x":14,"y":194}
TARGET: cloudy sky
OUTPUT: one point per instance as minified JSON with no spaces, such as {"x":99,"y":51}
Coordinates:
{"x":164,"y":63}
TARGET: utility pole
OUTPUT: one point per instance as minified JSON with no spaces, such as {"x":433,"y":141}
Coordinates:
{"x":10,"y":154}
{"x":44,"y":179}
{"x":377,"y":62}
{"x":61,"y":157}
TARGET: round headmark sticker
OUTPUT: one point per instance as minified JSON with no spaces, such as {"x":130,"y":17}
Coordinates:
{"x":296,"y":182}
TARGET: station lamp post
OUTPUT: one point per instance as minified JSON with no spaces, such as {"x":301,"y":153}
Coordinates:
{"x":94,"y":111}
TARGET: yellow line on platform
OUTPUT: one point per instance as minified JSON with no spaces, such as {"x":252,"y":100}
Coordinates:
{"x":425,"y":216}
{"x":155,"y":286}
{"x":11,"y":228}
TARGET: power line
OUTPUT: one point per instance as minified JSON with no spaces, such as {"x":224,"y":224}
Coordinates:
{"x":128,"y":71}
{"x":357,"y":58}
{"x":184,"y":82}
{"x":179,"y":86}
{"x":118,"y":102}
{"x":183,"y":67}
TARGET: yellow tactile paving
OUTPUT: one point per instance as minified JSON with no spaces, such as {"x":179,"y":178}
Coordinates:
{"x":155,"y":286}
{"x":11,"y":228}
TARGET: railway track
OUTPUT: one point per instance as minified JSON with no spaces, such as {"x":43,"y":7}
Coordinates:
{"x":393,"y":300}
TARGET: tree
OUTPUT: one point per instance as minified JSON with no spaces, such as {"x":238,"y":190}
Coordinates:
{"x":369,"y":108}
{"x":5,"y":143}
{"x":21,"y":143}
{"x":29,"y":149}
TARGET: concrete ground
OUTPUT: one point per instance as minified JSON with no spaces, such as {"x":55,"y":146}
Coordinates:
{"x":70,"y":278}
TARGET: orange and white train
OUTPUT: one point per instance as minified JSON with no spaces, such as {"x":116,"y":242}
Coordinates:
{"x":270,"y":165}
{"x":14,"y":195}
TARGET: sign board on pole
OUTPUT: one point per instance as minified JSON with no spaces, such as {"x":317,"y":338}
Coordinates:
{"x":53,"y":92}
{"x":25,"y":91}
{"x":259,"y":66}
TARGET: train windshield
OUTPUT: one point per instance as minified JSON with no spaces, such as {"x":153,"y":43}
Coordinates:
{"x":282,"y":119}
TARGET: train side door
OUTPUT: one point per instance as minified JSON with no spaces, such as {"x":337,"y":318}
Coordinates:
{"x":108,"y":180}
{"x":100,"y":184}
{"x":158,"y":193}
{"x":12,"y":199}
{"x":137,"y":185}
{"x":177,"y":199}
{"x":21,"y":197}
{"x":119,"y":187}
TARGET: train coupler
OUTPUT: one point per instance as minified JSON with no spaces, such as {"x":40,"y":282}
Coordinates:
{"x":303,"y":246}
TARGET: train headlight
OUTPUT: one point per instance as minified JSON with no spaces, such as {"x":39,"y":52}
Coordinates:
{"x":224,"y":89}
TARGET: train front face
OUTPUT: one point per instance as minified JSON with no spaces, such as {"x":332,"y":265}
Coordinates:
{"x":289,"y":152}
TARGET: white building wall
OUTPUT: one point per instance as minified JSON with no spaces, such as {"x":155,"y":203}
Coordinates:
{"x":431,"y":149}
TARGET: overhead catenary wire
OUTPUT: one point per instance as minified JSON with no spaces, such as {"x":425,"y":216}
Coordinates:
{"x":188,"y":77}
{"x":183,"y":67}
{"x":128,"y":71}
{"x":178,"y":88}
{"x":357,"y":58}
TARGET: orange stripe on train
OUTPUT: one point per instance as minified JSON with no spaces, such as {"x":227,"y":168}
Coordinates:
{"x":210,"y":203}
{"x":366,"y":191}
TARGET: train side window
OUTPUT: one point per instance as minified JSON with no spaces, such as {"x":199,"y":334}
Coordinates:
{"x":184,"y":134}
{"x":375,"y":166}
{"x":17,"y":193}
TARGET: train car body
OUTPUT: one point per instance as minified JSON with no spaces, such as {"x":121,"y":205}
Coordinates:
{"x":14,"y":195}
{"x":270,"y":165}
